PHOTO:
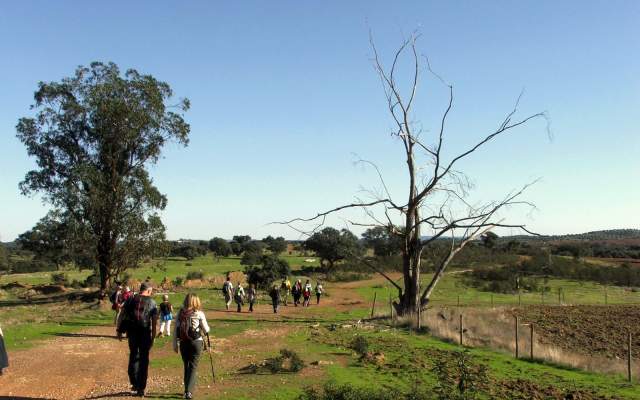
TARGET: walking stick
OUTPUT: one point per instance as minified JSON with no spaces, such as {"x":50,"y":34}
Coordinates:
{"x":213,"y":374}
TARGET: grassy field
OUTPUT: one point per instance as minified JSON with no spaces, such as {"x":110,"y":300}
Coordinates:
{"x":409,"y":358}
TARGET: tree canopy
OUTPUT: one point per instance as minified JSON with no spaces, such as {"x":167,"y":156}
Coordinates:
{"x":220,"y":247}
{"x":93,"y":136}
{"x":269,"y":269}
{"x":275,"y":245}
{"x":332,"y":245}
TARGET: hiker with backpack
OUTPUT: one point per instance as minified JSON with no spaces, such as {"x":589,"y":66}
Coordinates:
{"x":238,"y":296}
{"x":274,"y":293}
{"x":166,"y":315}
{"x":319,"y":291}
{"x":306,"y":293}
{"x":191,"y":327}
{"x":4,"y":359}
{"x":252,"y":296}
{"x":285,"y":288}
{"x":139,"y":320}
{"x":227,"y":291}
{"x":296,"y":291}
{"x":114,"y":298}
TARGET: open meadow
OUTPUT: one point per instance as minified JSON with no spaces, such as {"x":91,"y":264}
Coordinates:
{"x":399,"y":357}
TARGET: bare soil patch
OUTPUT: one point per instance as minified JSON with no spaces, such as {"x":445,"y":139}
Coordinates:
{"x":591,"y":330}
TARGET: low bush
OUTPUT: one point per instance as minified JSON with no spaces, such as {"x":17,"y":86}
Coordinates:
{"x":360,"y":345}
{"x":178,"y":281}
{"x":195,"y":275}
{"x":333,"y":391}
{"x":60,"y":278}
{"x":287,"y":361}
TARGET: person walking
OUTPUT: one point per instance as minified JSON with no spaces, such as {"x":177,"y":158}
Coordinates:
{"x":191,"y":326}
{"x":139,"y":320}
{"x":319,"y":291}
{"x":296,"y":291}
{"x":166,"y":315}
{"x":274,"y":293}
{"x":227,"y":291}
{"x":285,"y":288}
{"x":4,"y":359}
{"x":115,"y":298}
{"x":306,"y":294}
{"x":238,"y":296}
{"x":252,"y":295}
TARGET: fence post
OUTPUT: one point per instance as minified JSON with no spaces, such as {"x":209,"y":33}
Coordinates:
{"x":461,"y":330}
{"x":606,"y":300}
{"x":391,"y":310}
{"x":519,"y":298}
{"x":373,"y":307}
{"x":531,"y":327}
{"x":629,"y":357}
{"x":458,"y":300}
{"x":517,"y":337}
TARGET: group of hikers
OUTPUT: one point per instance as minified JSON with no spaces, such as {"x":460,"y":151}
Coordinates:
{"x":279,"y":294}
{"x":137,"y":316}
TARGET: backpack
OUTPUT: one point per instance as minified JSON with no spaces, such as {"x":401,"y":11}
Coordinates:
{"x":138,"y":312}
{"x":186,"y":330}
{"x":225,"y":287}
{"x":113,"y":296}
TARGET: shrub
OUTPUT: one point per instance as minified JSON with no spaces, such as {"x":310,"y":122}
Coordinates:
{"x":92,"y":280}
{"x":188,"y":264}
{"x":178,"y":281}
{"x":333,"y":391}
{"x":271,"y":269}
{"x":360,"y":345}
{"x":195,"y":275}
{"x":287,"y":361}
{"x":458,"y":378}
{"x":59,"y":278}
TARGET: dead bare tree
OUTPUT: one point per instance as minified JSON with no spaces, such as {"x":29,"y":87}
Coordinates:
{"x":447,"y":213}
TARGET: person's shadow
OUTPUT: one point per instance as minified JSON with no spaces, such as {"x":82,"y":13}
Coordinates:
{"x":126,"y":394}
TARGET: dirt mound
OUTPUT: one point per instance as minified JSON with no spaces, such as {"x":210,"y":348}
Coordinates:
{"x":600,"y":330}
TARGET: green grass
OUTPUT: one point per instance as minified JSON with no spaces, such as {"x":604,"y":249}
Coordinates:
{"x":25,"y":335}
{"x":452,"y":289}
{"x":409,"y":359}
{"x":158,"y":269}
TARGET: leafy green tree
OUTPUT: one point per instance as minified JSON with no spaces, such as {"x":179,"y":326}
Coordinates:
{"x":4,"y":258}
{"x":236,"y":248}
{"x":220,"y":247}
{"x":93,"y":136}
{"x":382,"y":242}
{"x":253,"y":252}
{"x":269,"y":269}
{"x":332,"y":245}
{"x":489,"y":240}
{"x":275,"y":245}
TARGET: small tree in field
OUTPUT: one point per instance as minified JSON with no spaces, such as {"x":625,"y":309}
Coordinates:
{"x":93,"y":137}
{"x":435,"y":204}
{"x":220,"y":247}
{"x":332,"y":245}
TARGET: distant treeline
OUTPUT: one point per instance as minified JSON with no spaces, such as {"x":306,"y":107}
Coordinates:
{"x":531,"y":274}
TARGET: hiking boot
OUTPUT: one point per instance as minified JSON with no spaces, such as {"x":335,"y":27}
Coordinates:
{"x":188,"y":395}
{"x":140,"y":393}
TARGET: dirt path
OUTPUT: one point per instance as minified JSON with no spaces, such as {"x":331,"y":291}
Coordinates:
{"x":91,"y":364}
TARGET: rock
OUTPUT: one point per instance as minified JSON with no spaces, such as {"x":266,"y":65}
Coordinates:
{"x":321,"y":362}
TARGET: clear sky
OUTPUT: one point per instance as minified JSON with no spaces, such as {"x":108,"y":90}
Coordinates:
{"x":283,"y":94}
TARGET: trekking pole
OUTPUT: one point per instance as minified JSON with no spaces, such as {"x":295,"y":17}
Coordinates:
{"x":213,"y":374}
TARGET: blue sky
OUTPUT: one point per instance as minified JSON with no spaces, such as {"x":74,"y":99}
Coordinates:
{"x":283,"y":94}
